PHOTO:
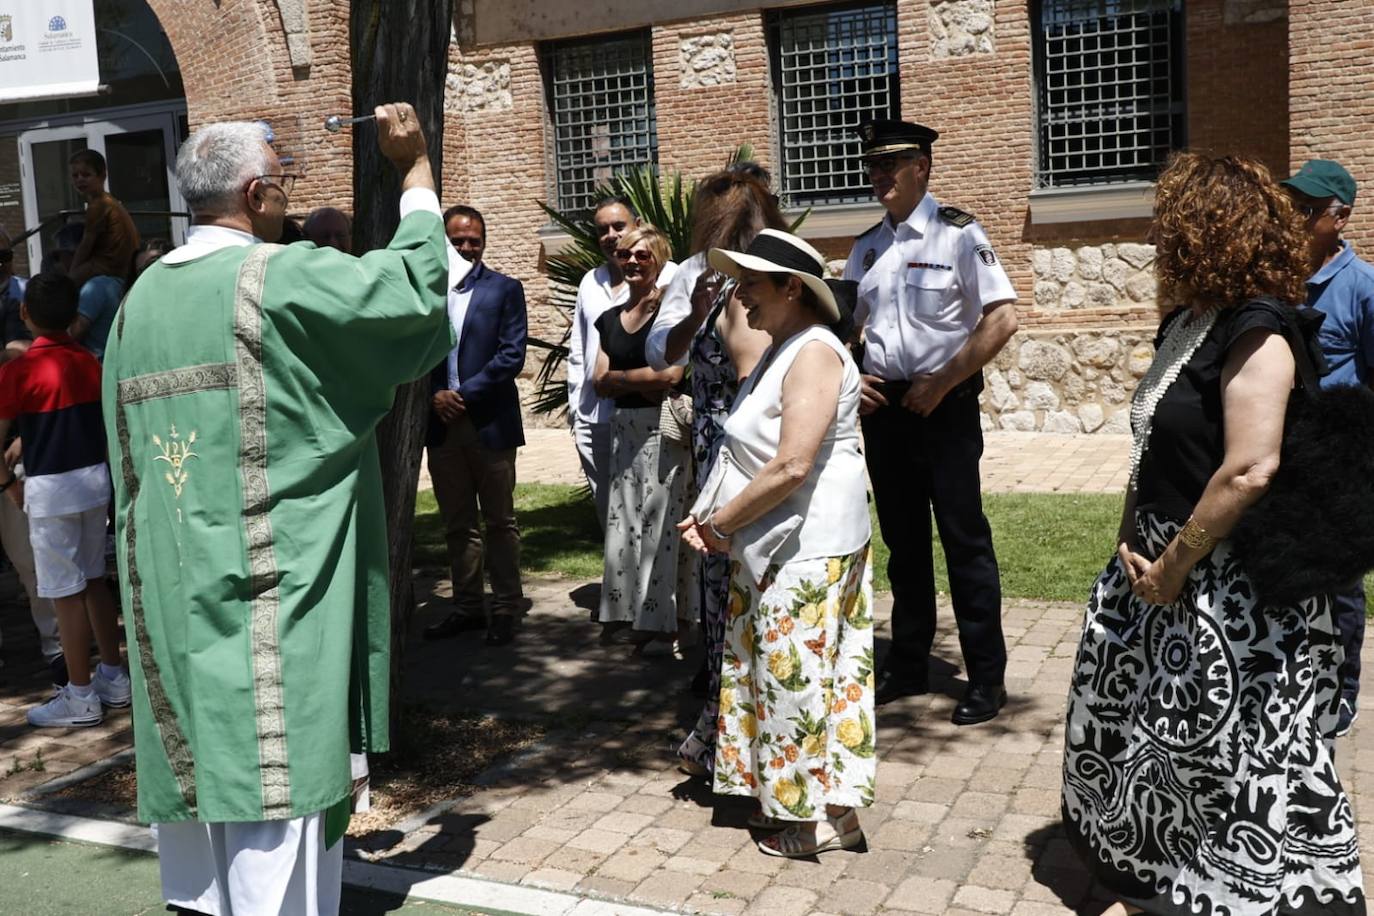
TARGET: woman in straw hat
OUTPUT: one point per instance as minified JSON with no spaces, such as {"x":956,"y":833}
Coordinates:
{"x":786,"y":500}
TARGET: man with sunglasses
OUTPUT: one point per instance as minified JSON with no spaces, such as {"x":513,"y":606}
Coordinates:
{"x":935,"y":306}
{"x":1342,"y":287}
{"x":243,"y":385}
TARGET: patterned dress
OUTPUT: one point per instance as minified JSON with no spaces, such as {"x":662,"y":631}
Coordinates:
{"x":715,"y":383}
{"x":796,"y":697}
{"x":1198,"y":772}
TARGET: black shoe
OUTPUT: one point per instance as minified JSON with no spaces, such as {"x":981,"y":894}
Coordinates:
{"x":702,"y":681}
{"x":981,"y":703}
{"x":57,"y":665}
{"x":454,"y":624}
{"x":502,"y":630}
{"x":893,"y":686}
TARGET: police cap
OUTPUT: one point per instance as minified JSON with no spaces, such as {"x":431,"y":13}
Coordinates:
{"x":881,"y":137}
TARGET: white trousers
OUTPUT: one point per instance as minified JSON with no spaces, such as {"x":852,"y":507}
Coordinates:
{"x":594,"y":449}
{"x":14,"y":537}
{"x":264,"y":868}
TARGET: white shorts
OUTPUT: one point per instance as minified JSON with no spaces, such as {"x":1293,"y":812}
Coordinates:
{"x":68,"y":550}
{"x":269,"y":867}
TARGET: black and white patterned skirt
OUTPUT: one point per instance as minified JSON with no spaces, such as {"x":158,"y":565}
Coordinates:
{"x":1198,"y":769}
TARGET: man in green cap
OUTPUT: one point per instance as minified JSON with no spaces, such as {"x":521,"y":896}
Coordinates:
{"x":1342,"y":287}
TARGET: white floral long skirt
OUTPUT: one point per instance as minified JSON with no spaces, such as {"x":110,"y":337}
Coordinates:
{"x":796,"y":696}
{"x":648,"y":581}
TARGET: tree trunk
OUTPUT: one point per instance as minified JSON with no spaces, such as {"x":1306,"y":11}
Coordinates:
{"x":399,"y":54}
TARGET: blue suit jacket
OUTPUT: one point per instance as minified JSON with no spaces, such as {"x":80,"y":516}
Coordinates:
{"x":491,"y":353}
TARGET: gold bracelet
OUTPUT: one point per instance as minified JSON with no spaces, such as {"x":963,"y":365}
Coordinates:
{"x":1195,"y":536}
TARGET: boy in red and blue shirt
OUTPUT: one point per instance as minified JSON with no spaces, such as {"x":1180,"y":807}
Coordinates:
{"x":52,"y":392}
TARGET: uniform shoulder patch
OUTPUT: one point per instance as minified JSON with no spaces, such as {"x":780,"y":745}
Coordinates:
{"x":956,"y":217}
{"x":869,"y":230}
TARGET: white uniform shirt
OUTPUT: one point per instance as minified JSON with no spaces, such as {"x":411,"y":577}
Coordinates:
{"x":595,"y":296}
{"x":922,"y":290}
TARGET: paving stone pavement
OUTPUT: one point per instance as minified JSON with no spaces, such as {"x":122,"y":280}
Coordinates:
{"x":1012,"y":462}
{"x":965,"y":820}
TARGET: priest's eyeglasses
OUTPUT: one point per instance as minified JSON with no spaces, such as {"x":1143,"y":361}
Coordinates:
{"x":284,"y":180}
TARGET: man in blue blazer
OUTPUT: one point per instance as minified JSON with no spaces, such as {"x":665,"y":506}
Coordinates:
{"x":474,"y":430}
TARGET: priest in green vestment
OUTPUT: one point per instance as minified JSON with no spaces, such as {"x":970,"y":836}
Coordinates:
{"x":243,"y":382}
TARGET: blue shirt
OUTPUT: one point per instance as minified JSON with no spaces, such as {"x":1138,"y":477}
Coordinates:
{"x":1344,"y":290}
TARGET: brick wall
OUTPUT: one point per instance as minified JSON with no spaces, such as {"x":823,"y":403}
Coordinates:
{"x":1331,"y":45}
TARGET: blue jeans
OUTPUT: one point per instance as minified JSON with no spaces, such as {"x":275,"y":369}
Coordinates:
{"x":100,"y":297}
{"x":1349,"y":613}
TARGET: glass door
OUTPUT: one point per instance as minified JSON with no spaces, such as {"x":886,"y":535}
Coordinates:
{"x":140,"y":157}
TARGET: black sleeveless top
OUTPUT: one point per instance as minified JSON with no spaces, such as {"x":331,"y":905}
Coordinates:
{"x":1187,"y":437}
{"x":625,"y":350}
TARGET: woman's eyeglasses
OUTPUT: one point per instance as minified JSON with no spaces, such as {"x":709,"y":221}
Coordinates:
{"x":643,"y":257}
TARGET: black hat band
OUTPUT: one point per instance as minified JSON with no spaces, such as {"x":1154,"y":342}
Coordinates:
{"x":786,"y":256}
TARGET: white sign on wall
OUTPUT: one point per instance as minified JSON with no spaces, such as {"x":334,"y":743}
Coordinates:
{"x":47,"y":49}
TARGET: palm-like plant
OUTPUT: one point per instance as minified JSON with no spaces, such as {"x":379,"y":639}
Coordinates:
{"x":667,"y":204}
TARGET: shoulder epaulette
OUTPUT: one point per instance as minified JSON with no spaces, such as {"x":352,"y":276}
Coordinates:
{"x":869,"y":229}
{"x":955,"y":217}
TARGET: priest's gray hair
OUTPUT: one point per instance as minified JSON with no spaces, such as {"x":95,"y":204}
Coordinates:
{"x":217,"y":161}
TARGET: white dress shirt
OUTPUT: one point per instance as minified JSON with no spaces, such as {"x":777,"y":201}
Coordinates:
{"x":923,"y":286}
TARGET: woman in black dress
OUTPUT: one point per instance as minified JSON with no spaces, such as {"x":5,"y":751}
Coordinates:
{"x":1198,"y":775}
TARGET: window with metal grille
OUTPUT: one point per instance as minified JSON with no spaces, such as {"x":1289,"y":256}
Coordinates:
{"x":601,"y":100}
{"x":833,"y":67}
{"x":1110,"y":94}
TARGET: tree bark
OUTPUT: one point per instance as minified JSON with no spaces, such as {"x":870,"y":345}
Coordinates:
{"x":399,"y":54}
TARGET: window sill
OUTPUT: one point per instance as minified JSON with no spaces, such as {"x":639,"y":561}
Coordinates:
{"x":1129,"y":200}
{"x":554,"y":239}
{"x":833,"y":221}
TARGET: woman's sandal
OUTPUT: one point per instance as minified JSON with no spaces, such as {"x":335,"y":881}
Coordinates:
{"x":791,"y":843}
{"x":760,"y":821}
{"x":691,"y":767}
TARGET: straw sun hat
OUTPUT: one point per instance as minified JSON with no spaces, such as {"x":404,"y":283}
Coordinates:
{"x":774,"y":251}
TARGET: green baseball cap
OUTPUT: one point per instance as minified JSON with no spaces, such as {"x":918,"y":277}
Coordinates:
{"x":1324,"y":178}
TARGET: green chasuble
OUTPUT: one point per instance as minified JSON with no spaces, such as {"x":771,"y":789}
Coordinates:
{"x":241,"y":392}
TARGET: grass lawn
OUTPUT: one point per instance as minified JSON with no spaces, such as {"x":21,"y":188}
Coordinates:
{"x":1050,"y":546}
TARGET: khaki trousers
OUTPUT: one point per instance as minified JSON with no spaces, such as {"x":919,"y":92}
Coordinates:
{"x":14,"y":537}
{"x":472,"y":482}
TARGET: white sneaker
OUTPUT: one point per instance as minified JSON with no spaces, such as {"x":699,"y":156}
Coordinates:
{"x":67,"y":710}
{"x":115,"y":692}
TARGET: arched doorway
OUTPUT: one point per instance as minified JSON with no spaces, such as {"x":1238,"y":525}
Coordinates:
{"x":136,"y":121}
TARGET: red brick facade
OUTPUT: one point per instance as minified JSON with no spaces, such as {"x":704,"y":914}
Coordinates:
{"x":1280,"y":81}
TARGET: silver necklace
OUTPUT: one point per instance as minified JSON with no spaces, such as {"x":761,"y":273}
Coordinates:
{"x":1180,"y":342}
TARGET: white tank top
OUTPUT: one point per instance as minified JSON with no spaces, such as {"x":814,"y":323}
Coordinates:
{"x":827,"y":516}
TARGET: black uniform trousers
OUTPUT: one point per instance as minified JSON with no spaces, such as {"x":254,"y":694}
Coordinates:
{"x":917,"y":463}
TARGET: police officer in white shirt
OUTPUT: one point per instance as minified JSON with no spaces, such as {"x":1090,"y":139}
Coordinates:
{"x":935,"y":306}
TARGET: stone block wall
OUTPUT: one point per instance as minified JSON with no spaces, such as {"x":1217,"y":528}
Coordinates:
{"x":1073,"y":381}
{"x":1094,"y":275}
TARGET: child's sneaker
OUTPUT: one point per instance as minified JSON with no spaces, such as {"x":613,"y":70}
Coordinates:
{"x":67,"y":710}
{"x":114,"y":691}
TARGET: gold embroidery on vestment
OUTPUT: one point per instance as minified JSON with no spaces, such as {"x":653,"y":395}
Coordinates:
{"x":176,"y":452}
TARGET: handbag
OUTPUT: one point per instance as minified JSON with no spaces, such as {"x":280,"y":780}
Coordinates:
{"x":675,"y":417}
{"x":1312,"y":532}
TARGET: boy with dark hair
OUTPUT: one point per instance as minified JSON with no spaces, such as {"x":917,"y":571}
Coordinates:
{"x":52,"y":392}
{"x":100,"y":268}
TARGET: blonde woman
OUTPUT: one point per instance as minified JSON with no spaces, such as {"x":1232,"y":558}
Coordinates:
{"x":647,"y":584}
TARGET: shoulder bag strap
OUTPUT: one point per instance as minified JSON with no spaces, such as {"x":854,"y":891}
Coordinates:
{"x":1307,"y":374}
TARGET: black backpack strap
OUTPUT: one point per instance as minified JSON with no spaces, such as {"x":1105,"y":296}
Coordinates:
{"x":1307,"y":370}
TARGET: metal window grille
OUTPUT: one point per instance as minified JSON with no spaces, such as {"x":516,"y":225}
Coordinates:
{"x":832,"y":69}
{"x":1110,"y":95}
{"x":601,"y":97}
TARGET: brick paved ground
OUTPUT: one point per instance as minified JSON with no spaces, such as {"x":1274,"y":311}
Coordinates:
{"x":966,"y":820}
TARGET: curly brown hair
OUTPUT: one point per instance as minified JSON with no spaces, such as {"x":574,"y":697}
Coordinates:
{"x":1226,"y":232}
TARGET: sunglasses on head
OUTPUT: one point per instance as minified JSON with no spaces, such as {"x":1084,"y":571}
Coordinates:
{"x":624,"y":254}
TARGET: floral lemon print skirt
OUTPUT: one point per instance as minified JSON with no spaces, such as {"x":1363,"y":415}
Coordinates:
{"x":796,"y":697}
